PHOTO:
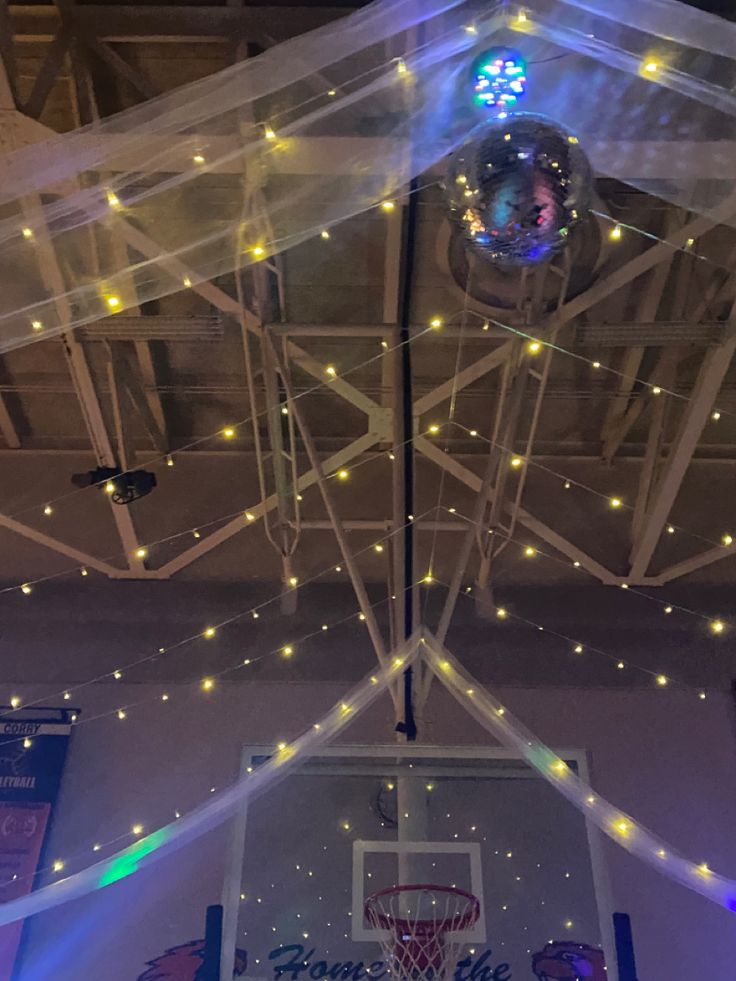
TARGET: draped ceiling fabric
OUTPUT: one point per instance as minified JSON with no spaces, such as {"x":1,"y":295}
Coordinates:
{"x":421,"y":650}
{"x":259,"y":157}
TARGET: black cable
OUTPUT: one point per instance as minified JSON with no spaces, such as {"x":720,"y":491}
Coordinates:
{"x":408,"y":726}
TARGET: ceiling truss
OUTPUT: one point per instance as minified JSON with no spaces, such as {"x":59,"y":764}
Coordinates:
{"x":75,"y":36}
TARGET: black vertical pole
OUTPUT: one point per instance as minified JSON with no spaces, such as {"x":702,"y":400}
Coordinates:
{"x":408,"y":726}
{"x":624,"y":947}
{"x":210,"y":970}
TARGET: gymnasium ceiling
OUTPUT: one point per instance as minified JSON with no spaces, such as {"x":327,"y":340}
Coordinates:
{"x":143,"y":387}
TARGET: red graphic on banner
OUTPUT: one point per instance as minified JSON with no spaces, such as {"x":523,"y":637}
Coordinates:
{"x":567,"y":961}
{"x":184,"y":963}
{"x":22,"y":829}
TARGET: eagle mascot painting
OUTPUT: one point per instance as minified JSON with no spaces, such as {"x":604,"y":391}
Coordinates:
{"x":564,"y":961}
{"x":185,"y":963}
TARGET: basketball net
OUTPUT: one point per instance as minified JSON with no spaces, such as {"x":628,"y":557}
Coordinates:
{"x":420,"y":928}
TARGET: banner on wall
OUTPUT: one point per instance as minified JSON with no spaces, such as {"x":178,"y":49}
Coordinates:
{"x":33,"y":746}
{"x":558,"y":961}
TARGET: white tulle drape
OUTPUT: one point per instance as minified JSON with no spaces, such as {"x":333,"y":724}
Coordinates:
{"x":220,"y":807}
{"x":496,"y":718}
{"x":492,"y":714}
{"x":261,"y":156}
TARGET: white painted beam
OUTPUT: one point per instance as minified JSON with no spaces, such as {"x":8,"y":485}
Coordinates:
{"x":696,"y":414}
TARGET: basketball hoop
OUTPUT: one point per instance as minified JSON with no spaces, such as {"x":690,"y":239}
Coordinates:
{"x":421,"y":927}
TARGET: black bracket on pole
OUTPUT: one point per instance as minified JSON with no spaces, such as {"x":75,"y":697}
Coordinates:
{"x":210,"y":969}
{"x":624,"y":947}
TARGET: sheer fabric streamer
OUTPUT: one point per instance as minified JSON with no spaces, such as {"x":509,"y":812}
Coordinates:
{"x":253,"y":160}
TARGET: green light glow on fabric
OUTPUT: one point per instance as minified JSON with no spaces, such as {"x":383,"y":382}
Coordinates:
{"x":129,"y":861}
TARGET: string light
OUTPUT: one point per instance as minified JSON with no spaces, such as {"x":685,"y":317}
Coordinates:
{"x":387,"y":206}
{"x":615,"y":502}
{"x":58,"y":865}
{"x":198,"y":158}
{"x":113,"y":302}
{"x":501,"y":613}
{"x":670,"y":529}
{"x":36,"y":325}
{"x":578,"y":648}
{"x":258,"y":251}
{"x":269,"y":133}
{"x":435,"y":323}
{"x":249,"y":516}
{"x":530,"y":552}
{"x":343,"y":475}
{"x":117,"y":675}
{"x":715,"y":415}
{"x":209,"y":632}
{"x":287,"y":651}
{"x":650,"y":67}
{"x":516,"y":462}
{"x":615,"y":233}
{"x":228,"y":432}
{"x":113,"y":200}
{"x":121,"y":714}
{"x":434,"y":429}
{"x":331,"y":370}
{"x":137,"y":829}
{"x":15,"y":701}
{"x":324,"y":234}
{"x":27,"y":743}
{"x":27,"y":234}
{"x":26,"y":589}
{"x":141,"y":553}
{"x":662,"y":680}
{"x":717,"y":626}
{"x":207,"y":684}
{"x":534,"y":347}
{"x":48,"y":510}
{"x":727,"y":540}
{"x":293,"y":581}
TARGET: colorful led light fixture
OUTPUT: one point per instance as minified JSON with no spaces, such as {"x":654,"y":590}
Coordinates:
{"x":499,"y":79}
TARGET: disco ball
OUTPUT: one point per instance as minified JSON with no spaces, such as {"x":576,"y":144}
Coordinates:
{"x":518,"y":189}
